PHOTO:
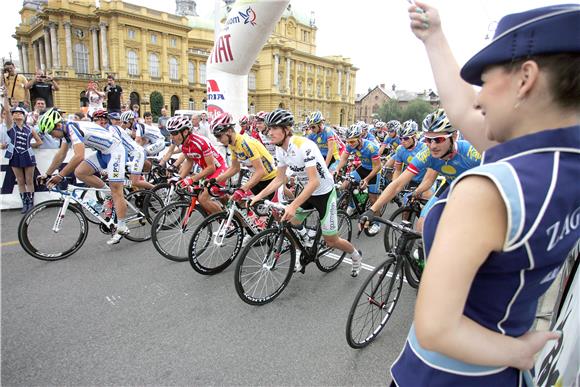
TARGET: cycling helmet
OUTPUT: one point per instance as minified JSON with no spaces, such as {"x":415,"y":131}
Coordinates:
{"x":18,"y":109}
{"x":177,"y":124}
{"x":363,"y":125}
{"x":315,"y":118}
{"x":379,"y":124}
{"x":99,"y":113}
{"x":393,"y":126}
{"x":261,"y":116}
{"x":355,"y":131}
{"x":437,"y":122}
{"x":408,"y":129}
{"x":244,"y":120}
{"x":279,"y":117}
{"x":49,"y":120}
{"x":114,"y":116}
{"x":128,"y":116}
{"x":221,"y":123}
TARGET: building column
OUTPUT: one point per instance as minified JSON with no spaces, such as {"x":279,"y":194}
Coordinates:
{"x":54,"y":45}
{"x":144,"y":55}
{"x":104,"y":48}
{"x":42,"y":56}
{"x":68,"y":40}
{"x":96,"y":67}
{"x":276,"y":65}
{"x":47,"y":48}
{"x":339,"y":89}
{"x":347,"y":84}
{"x":20,"y":56}
{"x":287,"y":75}
{"x":184,"y":62}
{"x":36,"y":47}
{"x":164,"y":59}
{"x":25,"y":57}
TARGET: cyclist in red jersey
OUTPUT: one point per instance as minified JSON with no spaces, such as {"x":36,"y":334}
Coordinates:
{"x":197,"y":151}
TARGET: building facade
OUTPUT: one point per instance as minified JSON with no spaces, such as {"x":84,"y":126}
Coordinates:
{"x":150,"y":51}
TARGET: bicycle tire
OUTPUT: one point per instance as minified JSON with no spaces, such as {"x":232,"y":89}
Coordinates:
{"x":345,"y":224}
{"x":368,"y":313}
{"x":31,"y":218}
{"x":412,"y":269}
{"x":205,"y":248}
{"x":162,"y":190}
{"x":138,"y":221}
{"x":267,"y":266}
{"x":404,"y":213}
{"x":168,"y":234}
{"x":381,"y":213}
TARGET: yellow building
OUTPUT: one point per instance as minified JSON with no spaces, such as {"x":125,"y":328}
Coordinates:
{"x":149,"y":51}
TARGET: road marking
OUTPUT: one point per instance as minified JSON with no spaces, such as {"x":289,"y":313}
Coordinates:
{"x":11,"y":243}
{"x":363,"y":266}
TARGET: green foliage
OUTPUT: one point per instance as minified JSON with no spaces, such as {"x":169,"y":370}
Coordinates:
{"x":156,"y":100}
{"x":415,"y":110}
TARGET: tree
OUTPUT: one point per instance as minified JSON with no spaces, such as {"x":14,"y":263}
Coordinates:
{"x":416,"y":110}
{"x":156,"y":100}
{"x":390,"y":110}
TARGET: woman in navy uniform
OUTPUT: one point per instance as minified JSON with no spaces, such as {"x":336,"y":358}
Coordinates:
{"x":497,"y":239}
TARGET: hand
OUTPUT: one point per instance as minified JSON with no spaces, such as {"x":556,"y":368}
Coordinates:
{"x":3,"y":146}
{"x":255,"y":200}
{"x":416,"y":194}
{"x":239,"y":195}
{"x":185,"y":182}
{"x":210,"y":182}
{"x":53,"y":181}
{"x":41,"y":179}
{"x":289,"y":213}
{"x":366,"y":218}
{"x":425,"y":20}
{"x":363,"y":184}
{"x":531,"y":343}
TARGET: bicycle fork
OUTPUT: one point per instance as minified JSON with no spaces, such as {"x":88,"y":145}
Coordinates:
{"x":60,"y":216}
{"x":222,"y":231}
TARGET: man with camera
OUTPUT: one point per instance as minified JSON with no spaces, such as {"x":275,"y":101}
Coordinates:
{"x":15,"y":85}
{"x":114,"y":95}
{"x":42,"y":86}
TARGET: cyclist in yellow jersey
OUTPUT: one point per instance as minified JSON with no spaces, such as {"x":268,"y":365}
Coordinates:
{"x":245,"y":150}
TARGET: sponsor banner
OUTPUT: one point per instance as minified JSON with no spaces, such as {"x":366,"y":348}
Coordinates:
{"x":226,"y":92}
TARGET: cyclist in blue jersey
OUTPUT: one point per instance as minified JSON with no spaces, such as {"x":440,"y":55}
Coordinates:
{"x":366,"y":134}
{"x":368,"y":173}
{"x":444,"y":154}
{"x":110,"y":155}
{"x":391,"y":141}
{"x":379,"y":131}
{"x":328,"y":142}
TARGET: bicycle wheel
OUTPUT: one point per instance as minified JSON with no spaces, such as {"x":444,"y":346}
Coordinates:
{"x":163,"y":191}
{"x":39,"y":240}
{"x":214,"y":245}
{"x":414,"y":264}
{"x":262,"y":272}
{"x":374,"y":304}
{"x":404,"y":213}
{"x":329,"y":259}
{"x":172,"y":228}
{"x":137,"y":219}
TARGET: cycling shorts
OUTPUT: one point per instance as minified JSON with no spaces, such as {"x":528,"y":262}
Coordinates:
{"x":137,"y":158}
{"x":260,"y":187}
{"x":360,"y":173}
{"x":113,"y":163}
{"x":327,"y":211}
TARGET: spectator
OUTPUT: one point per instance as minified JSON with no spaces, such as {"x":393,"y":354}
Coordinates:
{"x":147,"y":118}
{"x":497,"y":239}
{"x":42,"y":87}
{"x":15,"y":85}
{"x":114,"y":95}
{"x":137,"y":110}
{"x":203,"y":122}
{"x":162,"y":122}
{"x":78,"y":116}
{"x":19,"y":152}
{"x":48,"y":142}
{"x":95,"y":97}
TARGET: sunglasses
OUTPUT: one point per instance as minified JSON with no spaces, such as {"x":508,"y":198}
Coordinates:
{"x":436,"y":140}
{"x":406,"y":138}
{"x":313,"y":126}
{"x":352,"y":141}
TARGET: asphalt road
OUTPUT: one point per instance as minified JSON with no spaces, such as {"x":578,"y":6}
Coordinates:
{"x":123,"y":315}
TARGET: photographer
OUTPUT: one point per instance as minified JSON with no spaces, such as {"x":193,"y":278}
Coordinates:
{"x":15,"y":85}
{"x":114,"y":95}
{"x":42,"y":86}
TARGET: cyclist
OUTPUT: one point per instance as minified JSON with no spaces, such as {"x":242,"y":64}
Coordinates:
{"x":444,"y":154}
{"x":328,"y":142}
{"x":197,"y":150}
{"x":304,"y":159}
{"x":260,"y":133}
{"x":149,"y":137}
{"x":391,"y":141}
{"x":110,"y":155}
{"x":366,"y":134}
{"x":368,"y":173}
{"x":244,"y":124}
{"x":379,"y":131}
{"x":247,"y":150}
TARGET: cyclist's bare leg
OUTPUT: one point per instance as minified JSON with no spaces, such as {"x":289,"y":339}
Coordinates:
{"x":336,"y":242}
{"x":208,"y":205}
{"x":118,"y":199}
{"x":85,"y":173}
{"x":419,"y":224}
{"x":137,"y":182}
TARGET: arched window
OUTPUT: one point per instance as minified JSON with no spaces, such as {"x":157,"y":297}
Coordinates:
{"x":154,"y":65}
{"x":202,"y":73}
{"x":191,"y":105}
{"x":191,"y":72}
{"x":252,"y":81}
{"x":132,"y":63}
{"x":173,"y":68}
{"x":81,"y":58}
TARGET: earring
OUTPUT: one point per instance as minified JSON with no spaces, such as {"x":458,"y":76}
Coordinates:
{"x":517,"y":104}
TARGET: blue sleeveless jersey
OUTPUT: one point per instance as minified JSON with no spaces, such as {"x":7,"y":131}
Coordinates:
{"x":465,"y":158}
{"x":537,"y":176}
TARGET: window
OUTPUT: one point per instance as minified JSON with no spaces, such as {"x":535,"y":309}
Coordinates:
{"x":191,"y":73}
{"x":173,"y":68}
{"x":191,"y":105}
{"x":154,"y":65}
{"x":204,"y":102}
{"x":319,"y":89}
{"x":305,"y":36}
{"x":300,"y":91}
{"x":81,"y":58}
{"x":131,"y":33}
{"x":153,"y":38}
{"x":202,"y":74}
{"x":309,"y":68}
{"x":328,"y":90}
{"x":252,"y":108}
{"x":132,"y":61}
{"x":299,"y":66}
{"x":252,"y":81}
{"x":173,"y":42}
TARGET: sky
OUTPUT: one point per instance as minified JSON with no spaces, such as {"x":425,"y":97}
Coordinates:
{"x":374,"y":34}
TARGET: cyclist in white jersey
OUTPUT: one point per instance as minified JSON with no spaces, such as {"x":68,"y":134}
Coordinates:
{"x":261,"y":133}
{"x":304,"y":159}
{"x":110,"y":155}
{"x":149,"y":136}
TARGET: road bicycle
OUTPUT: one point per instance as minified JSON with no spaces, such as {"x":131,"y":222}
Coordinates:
{"x":267,"y":262}
{"x":378,"y":295}
{"x":68,"y":224}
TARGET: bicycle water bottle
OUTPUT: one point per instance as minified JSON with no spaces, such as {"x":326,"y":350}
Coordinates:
{"x":95,"y":205}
